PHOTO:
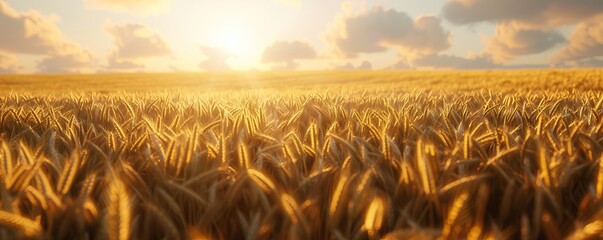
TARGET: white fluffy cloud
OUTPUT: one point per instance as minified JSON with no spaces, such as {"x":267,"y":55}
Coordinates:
{"x":285,"y":54}
{"x":32,"y":33}
{"x":379,"y":29}
{"x":132,"y":6}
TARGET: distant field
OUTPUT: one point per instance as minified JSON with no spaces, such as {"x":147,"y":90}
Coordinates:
{"x":401,"y":80}
{"x":304,"y":155}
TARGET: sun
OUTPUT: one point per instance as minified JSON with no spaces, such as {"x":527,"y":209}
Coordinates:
{"x":237,"y":38}
{"x":234,"y":38}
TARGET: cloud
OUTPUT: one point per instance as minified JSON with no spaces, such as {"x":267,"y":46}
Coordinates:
{"x":29,"y":32}
{"x":216,"y":59}
{"x":523,"y":27}
{"x":118,"y":64}
{"x":64,"y":63}
{"x":35,"y":34}
{"x":347,"y":66}
{"x":365,"y":65}
{"x":550,"y":13}
{"x":525,"y":66}
{"x":442,"y":61}
{"x":379,"y":29}
{"x":141,"y":7}
{"x":136,"y":41}
{"x":402,"y":64}
{"x":133,"y":44}
{"x":283,"y":51}
{"x":8,"y":63}
{"x":584,"y":43}
{"x":472,"y":62}
{"x":586,"y":63}
{"x":515,"y":39}
{"x":286,"y":53}
{"x":288,"y":66}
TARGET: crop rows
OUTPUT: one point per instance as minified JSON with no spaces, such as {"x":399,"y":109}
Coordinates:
{"x":320,"y":164}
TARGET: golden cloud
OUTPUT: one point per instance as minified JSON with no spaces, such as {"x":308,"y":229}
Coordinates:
{"x":287,"y":52}
{"x":585,"y":43}
{"x":136,"y":41}
{"x":442,"y":61}
{"x":8,"y":63}
{"x":380,"y":29}
{"x":32,"y":33}
{"x":284,"y":51}
{"x":120,"y":64}
{"x":365,"y":65}
{"x":526,"y":27}
{"x":401,"y":64}
{"x":514,"y":39}
{"x":551,"y":13}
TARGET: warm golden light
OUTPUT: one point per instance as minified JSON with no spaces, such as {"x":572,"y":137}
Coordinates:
{"x":236,"y":39}
{"x":298,"y":119}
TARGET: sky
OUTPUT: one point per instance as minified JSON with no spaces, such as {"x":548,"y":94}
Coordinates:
{"x":98,"y":36}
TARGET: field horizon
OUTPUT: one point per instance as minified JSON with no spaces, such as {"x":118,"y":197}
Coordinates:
{"x":255,"y":80}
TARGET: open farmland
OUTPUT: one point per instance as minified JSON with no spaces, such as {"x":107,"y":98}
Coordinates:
{"x":304,"y":155}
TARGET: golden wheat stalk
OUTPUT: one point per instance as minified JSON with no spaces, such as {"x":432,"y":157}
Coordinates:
{"x":118,"y":210}
{"x":425,"y":170}
{"x":243,"y":156}
{"x":68,"y":174}
{"x":453,"y":213}
{"x":336,"y":198}
{"x":6,"y":164}
{"x":374,"y":216}
{"x":294,"y":211}
{"x":462,"y":181}
{"x":599,"y":183}
{"x":264,"y":182}
{"x":24,"y":225}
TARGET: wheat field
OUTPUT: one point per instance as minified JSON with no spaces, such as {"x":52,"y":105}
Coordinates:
{"x":307,"y":155}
